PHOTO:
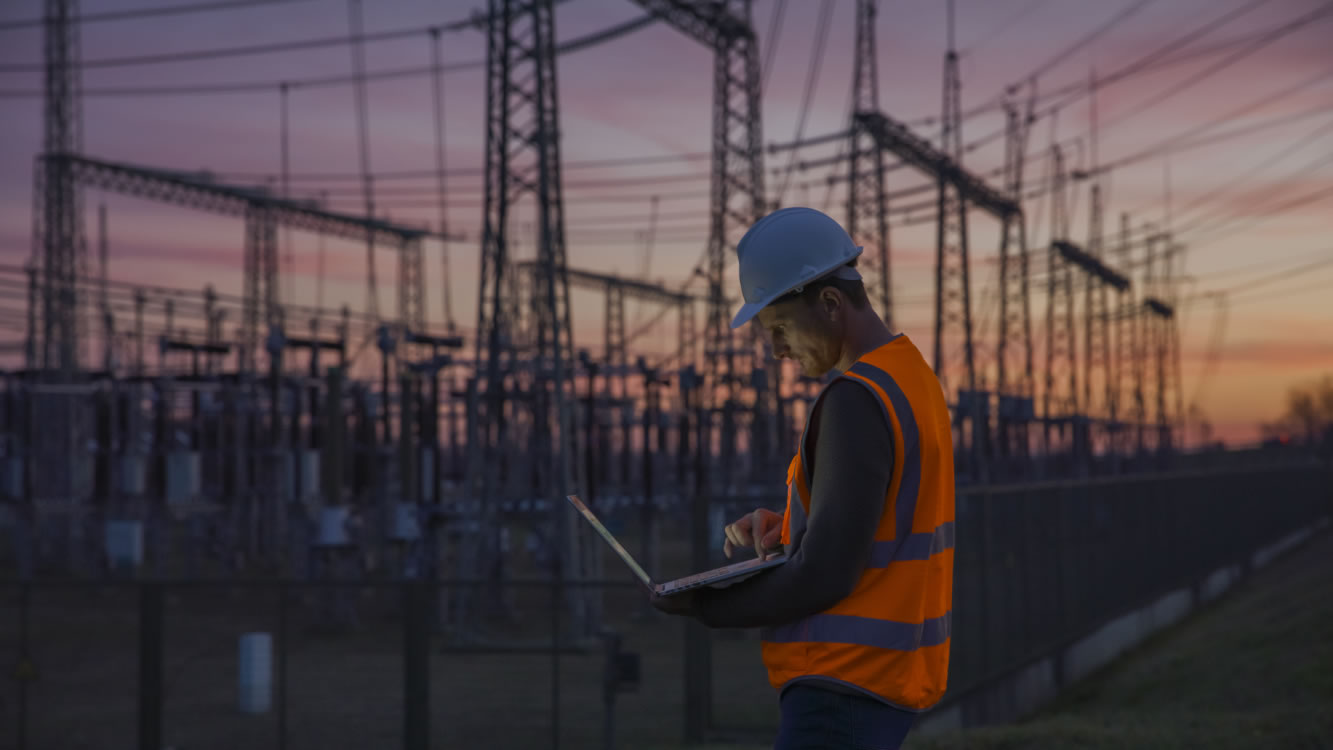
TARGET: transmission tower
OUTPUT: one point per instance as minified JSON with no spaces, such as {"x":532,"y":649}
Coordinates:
{"x":59,"y":248}
{"x":953,"y":297}
{"x":1060,"y":401}
{"x":1014,"y":346}
{"x":1126,"y":351}
{"x":411,"y":286}
{"x":1096,"y":323}
{"x":260,"y":306}
{"x":1161,"y":308}
{"x":737,"y":201}
{"x":523,"y":158}
{"x":867,"y":201}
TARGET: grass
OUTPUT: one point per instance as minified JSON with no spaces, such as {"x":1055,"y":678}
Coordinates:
{"x":1252,"y":670}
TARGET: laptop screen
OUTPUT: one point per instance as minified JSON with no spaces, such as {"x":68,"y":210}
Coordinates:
{"x":611,"y":540}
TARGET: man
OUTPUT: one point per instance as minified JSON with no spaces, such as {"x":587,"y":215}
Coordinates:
{"x":856,"y":624}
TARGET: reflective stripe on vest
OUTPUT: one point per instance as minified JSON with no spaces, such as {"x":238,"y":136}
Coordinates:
{"x":890,"y":637}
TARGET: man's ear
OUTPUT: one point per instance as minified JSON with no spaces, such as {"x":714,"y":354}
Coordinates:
{"x":830,"y":301}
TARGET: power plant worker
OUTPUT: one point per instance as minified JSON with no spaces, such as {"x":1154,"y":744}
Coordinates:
{"x":856,"y":624}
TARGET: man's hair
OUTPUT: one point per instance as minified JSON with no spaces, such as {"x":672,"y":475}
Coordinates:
{"x":855,"y":290}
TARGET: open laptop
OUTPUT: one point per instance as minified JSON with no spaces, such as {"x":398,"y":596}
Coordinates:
{"x":716,"y":578}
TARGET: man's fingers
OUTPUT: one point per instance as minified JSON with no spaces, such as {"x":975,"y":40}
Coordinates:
{"x":758,"y":524}
{"x":726,"y":548}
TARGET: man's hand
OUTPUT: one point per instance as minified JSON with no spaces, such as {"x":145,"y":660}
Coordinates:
{"x":762,"y":529}
{"x":684,"y":603}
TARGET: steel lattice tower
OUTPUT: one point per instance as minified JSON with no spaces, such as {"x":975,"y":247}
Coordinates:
{"x":261,"y":306}
{"x":1060,"y":345}
{"x":953,"y":299}
{"x":59,"y":248}
{"x":1014,"y":347}
{"x":737,"y":201}
{"x":1097,"y":318}
{"x":953,"y":288}
{"x":1125,"y":347}
{"x":867,"y":201}
{"x":411,"y":286}
{"x":523,"y":158}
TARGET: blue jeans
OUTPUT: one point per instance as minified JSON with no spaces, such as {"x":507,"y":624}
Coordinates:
{"x":818,"y":719}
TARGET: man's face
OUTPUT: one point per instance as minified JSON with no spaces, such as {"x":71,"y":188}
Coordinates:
{"x":803,"y":332}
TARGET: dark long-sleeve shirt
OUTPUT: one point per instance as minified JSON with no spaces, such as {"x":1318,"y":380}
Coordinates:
{"x":849,"y":449}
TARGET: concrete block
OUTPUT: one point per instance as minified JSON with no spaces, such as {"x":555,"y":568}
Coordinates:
{"x":332,"y":527}
{"x":132,"y":474}
{"x":12,"y":479}
{"x":1265,"y":555}
{"x":255,"y":682}
{"x":183,"y":478}
{"x":944,"y":720}
{"x":405,"y":526}
{"x":124,"y":545}
{"x":1104,"y":644}
{"x":1034,"y":685}
{"x":309,"y":461}
{"x":1168,"y":610}
{"x":1216,"y":584}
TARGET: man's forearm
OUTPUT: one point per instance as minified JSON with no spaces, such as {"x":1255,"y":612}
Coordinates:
{"x":781,"y":595}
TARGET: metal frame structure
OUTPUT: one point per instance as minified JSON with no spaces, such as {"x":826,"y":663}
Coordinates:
{"x":1013,"y":350}
{"x":263,"y":214}
{"x":867,"y":200}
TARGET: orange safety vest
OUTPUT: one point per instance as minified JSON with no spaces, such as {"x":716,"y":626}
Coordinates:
{"x":890,"y":637}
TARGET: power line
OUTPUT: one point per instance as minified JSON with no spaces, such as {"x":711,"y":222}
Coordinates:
{"x":774,"y":28}
{"x":166,"y":10}
{"x":811,"y":78}
{"x":1247,"y":50}
{"x":1023,"y":13}
{"x":1270,"y":213}
{"x":572,"y":45}
{"x":1077,"y":90}
{"x":1241,"y":179}
{"x":249,"y":50}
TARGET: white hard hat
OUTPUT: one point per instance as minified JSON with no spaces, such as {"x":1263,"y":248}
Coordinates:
{"x":786,"y":250}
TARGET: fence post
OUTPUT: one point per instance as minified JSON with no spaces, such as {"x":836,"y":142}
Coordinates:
{"x":281,"y":655}
{"x":416,"y":666}
{"x":25,"y":661}
{"x":150,"y":666}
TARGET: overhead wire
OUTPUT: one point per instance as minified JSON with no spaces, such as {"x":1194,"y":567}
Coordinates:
{"x":363,"y":151}
{"x":437,"y":98}
{"x":134,"y":13}
{"x":571,"y":45}
{"x":811,"y":79}
{"x":774,"y":29}
{"x":1323,"y":12}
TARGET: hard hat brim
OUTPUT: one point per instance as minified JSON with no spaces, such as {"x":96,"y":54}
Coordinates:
{"x":748,"y":310}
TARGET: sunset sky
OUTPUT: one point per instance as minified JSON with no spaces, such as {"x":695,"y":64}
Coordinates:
{"x":1250,"y":174}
